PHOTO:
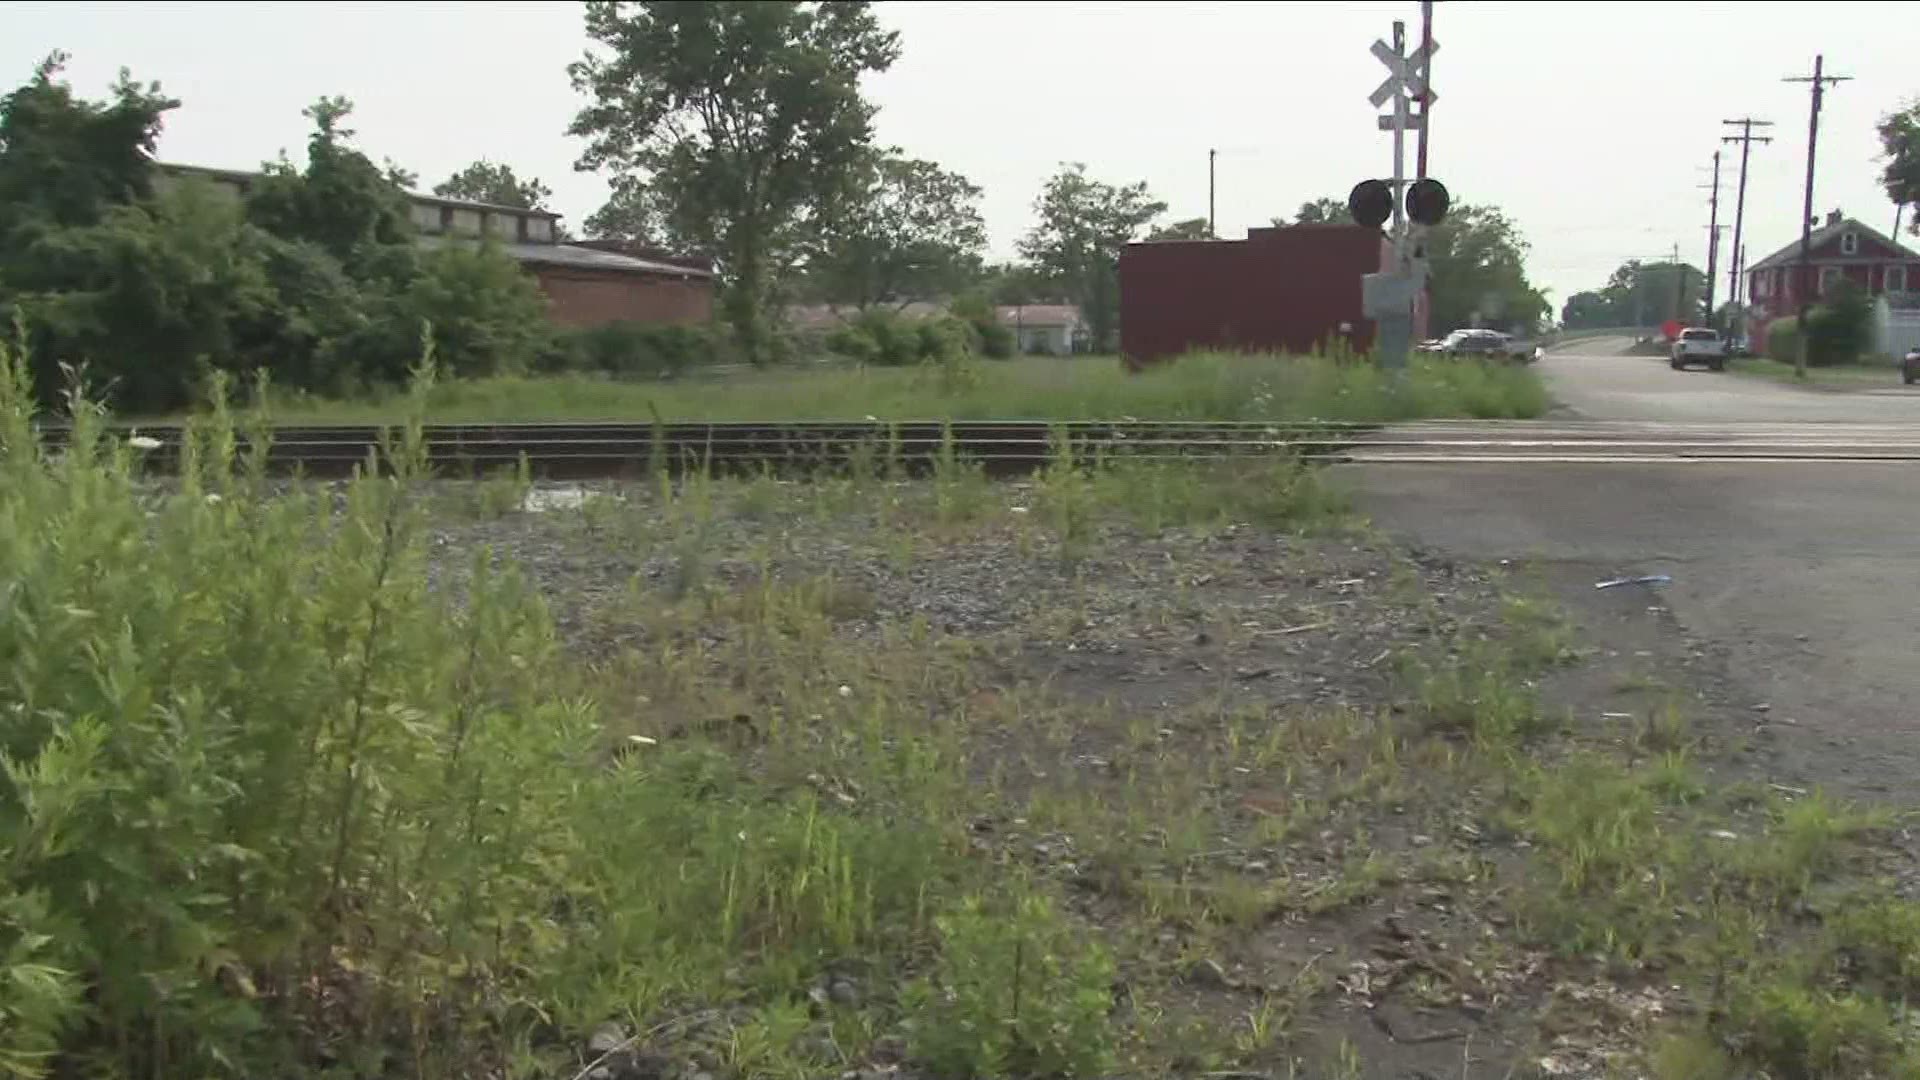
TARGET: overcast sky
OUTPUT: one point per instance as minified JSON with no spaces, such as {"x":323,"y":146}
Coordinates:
{"x":1593,"y":125}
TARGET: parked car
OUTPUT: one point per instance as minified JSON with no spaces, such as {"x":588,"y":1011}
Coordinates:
{"x":1485,"y":345}
{"x":1910,"y":366}
{"x":1698,"y":345}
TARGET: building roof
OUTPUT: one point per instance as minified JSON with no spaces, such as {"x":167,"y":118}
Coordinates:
{"x":1044,"y":315}
{"x":248,"y":176}
{"x":1786,"y":256}
{"x":828,"y":316}
{"x":575,"y":257}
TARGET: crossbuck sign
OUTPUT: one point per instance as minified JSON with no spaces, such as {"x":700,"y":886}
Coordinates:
{"x":1405,"y":74}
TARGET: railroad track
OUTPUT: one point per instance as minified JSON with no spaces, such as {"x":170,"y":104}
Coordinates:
{"x":583,"y":450}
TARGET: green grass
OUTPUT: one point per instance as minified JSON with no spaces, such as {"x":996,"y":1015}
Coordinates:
{"x":1199,"y":387}
{"x":1841,"y":377}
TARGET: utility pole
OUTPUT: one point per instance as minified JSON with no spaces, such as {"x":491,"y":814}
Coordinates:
{"x":1819,"y":79}
{"x":1679,"y":287}
{"x":1746,"y":139}
{"x":1713,"y":242}
{"x":1426,"y":95}
{"x":1212,"y":233}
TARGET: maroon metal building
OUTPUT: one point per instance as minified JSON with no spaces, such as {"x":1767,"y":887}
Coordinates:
{"x":1286,"y":289}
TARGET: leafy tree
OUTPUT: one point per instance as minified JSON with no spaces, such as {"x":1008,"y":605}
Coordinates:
{"x":1477,"y":273}
{"x":149,"y":295}
{"x":1587,"y":311}
{"x":484,"y":181}
{"x":740,"y":117}
{"x":65,"y":160}
{"x":1190,"y":229}
{"x":313,"y":278}
{"x":1640,"y":294}
{"x":1900,"y":139}
{"x":912,"y":231}
{"x":1021,"y":283}
{"x":629,"y":214}
{"x":1083,"y":225}
{"x":342,"y":201}
{"x":1322,"y":211}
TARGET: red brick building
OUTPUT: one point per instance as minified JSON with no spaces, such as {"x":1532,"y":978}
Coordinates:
{"x":1290,"y":288}
{"x":591,"y":282}
{"x":1840,"y":248}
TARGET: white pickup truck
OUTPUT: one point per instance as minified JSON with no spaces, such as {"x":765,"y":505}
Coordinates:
{"x":1698,"y":346}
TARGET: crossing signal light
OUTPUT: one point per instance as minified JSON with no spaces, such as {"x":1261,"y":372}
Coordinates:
{"x":1371,"y":203}
{"x":1427,"y":201}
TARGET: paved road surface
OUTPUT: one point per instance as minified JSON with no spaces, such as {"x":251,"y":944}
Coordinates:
{"x":1597,"y":381}
{"x":1804,"y":574}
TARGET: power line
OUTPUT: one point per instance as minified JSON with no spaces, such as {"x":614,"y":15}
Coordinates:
{"x":1746,"y":139}
{"x":1819,"y":80}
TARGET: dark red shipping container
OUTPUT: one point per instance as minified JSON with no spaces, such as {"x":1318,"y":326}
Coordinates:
{"x":1285,"y":289}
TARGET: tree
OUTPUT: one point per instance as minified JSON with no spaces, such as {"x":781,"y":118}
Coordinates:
{"x":1587,"y":311}
{"x":342,"y":201}
{"x":1900,"y":139}
{"x":1083,"y":226}
{"x":1021,"y":283}
{"x":1477,"y":272}
{"x":1190,"y":229}
{"x":912,"y":231}
{"x":740,"y":117}
{"x":629,"y":214}
{"x":65,"y":160}
{"x":483,"y":181}
{"x":1322,"y":211}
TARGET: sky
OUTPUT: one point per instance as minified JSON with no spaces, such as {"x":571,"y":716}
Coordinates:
{"x":1593,"y":126}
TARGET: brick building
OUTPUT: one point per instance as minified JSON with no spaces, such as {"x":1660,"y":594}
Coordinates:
{"x":1290,"y":288}
{"x":587,"y":282}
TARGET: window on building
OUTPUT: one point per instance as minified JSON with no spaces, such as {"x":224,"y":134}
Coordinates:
{"x":1896,"y":279}
{"x":1828,"y":276}
{"x":539,"y":230}
{"x":1760,"y":283}
{"x":465,"y":221}
{"x":504,"y":226}
{"x":426,"y":217}
{"x":1850,"y":244}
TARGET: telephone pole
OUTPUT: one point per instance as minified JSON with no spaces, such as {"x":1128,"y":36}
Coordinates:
{"x":1679,"y":286}
{"x":1819,"y":79}
{"x":1713,"y":242}
{"x":1212,"y":233}
{"x":1746,"y":139}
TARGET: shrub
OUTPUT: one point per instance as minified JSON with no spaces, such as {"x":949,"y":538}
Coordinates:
{"x":888,"y":339}
{"x":364,"y":826}
{"x":639,"y":350}
{"x":1783,"y":339}
{"x":976,"y":309}
{"x":1838,"y":331}
{"x":1017,"y":993}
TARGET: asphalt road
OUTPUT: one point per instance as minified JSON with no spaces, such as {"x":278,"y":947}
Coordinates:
{"x":1595,"y":380}
{"x":1801,"y":577}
